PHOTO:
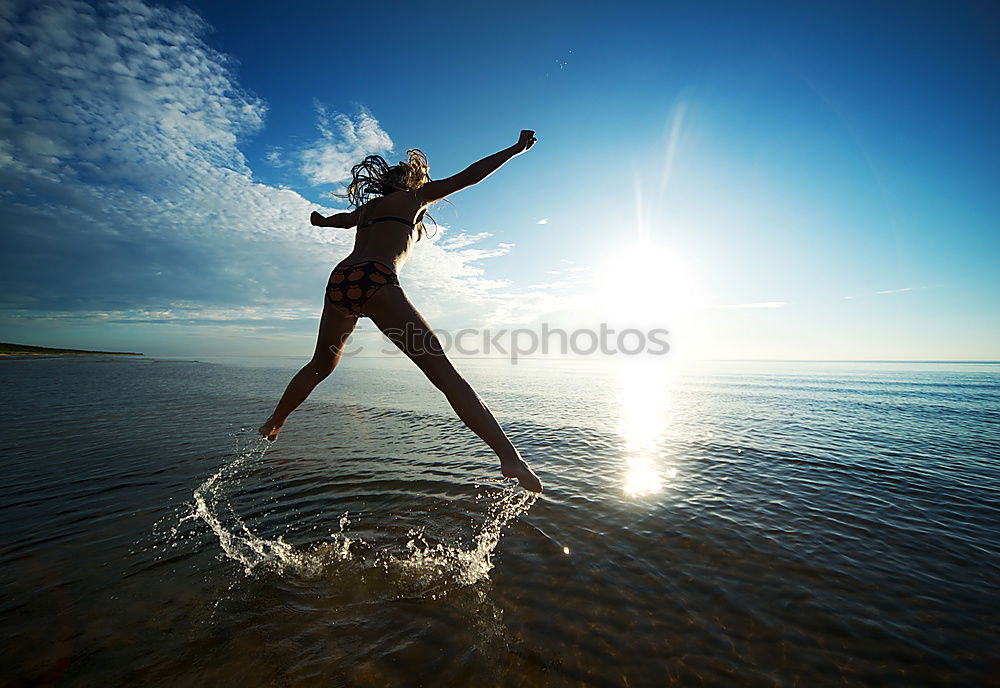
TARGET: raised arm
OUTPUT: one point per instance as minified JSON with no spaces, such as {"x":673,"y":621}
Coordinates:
{"x":342,"y":220}
{"x":476,"y":172}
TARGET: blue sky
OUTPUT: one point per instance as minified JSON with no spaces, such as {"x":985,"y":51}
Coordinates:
{"x":764,"y":180}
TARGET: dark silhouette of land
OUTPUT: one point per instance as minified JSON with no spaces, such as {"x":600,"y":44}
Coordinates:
{"x":22,"y":350}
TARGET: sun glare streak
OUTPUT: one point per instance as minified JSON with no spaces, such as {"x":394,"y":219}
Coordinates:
{"x":640,"y":214}
{"x":675,"y":135}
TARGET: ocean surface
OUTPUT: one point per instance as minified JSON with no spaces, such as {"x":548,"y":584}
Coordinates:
{"x":717,"y":524}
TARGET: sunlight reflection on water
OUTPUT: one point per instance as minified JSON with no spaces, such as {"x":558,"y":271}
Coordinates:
{"x":644,"y":416}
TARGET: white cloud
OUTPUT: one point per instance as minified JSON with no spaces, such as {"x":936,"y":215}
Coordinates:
{"x":895,"y":291}
{"x":544,"y":221}
{"x":276,"y":157}
{"x":344,"y":142}
{"x":125,"y":195}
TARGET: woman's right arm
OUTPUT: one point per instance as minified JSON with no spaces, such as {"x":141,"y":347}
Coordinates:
{"x":476,"y":172}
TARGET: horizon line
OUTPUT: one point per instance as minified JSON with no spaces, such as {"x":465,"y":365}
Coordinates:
{"x":613,"y":357}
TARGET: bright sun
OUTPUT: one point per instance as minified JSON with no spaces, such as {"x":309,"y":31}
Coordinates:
{"x":646,"y":285}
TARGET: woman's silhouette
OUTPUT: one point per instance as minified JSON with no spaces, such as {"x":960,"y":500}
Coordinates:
{"x":389,"y":205}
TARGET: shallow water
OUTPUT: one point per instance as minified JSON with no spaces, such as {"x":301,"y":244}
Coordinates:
{"x":716,"y":524}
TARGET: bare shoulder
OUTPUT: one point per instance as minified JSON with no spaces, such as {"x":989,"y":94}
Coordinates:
{"x":399,"y":203}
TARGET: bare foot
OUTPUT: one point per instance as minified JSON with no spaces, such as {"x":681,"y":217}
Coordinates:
{"x":270,"y":429}
{"x":316,"y":219}
{"x":522,"y":471}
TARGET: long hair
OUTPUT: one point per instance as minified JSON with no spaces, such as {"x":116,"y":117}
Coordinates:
{"x":373,"y":177}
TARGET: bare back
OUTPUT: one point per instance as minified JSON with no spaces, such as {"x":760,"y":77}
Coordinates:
{"x":388,"y":241}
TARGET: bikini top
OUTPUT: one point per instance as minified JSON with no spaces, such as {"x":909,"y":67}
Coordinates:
{"x":387,"y":218}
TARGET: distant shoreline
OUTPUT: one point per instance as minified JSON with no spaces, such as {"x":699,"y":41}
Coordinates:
{"x":23,"y":351}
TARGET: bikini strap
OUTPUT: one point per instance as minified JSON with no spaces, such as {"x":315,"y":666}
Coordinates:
{"x":386,"y":217}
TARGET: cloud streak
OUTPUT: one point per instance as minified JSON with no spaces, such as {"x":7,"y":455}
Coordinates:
{"x":760,"y":304}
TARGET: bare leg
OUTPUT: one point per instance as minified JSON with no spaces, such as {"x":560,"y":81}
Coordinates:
{"x":400,"y":321}
{"x":334,"y":329}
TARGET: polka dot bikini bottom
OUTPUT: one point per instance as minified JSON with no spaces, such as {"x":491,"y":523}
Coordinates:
{"x":351,"y":286}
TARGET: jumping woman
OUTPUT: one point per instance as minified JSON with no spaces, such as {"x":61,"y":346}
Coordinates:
{"x":389,"y":205}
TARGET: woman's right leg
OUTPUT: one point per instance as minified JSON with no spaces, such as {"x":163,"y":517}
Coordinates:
{"x":335,"y":327}
{"x":400,"y":321}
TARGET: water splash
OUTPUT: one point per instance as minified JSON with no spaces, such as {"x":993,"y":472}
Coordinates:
{"x":450,"y":562}
{"x":421,"y":564}
{"x":211,"y":505}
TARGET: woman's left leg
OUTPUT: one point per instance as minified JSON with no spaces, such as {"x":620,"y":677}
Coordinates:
{"x":334,"y":328}
{"x":400,"y":321}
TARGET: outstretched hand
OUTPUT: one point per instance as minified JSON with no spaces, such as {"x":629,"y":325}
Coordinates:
{"x":525,"y":141}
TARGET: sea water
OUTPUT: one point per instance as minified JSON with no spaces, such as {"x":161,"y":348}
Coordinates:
{"x":703,"y":524}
